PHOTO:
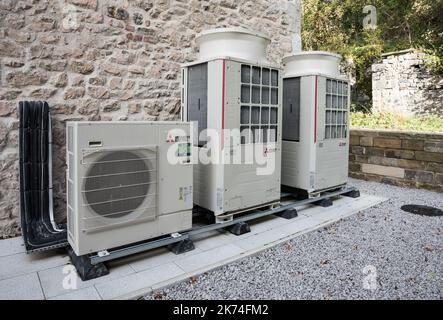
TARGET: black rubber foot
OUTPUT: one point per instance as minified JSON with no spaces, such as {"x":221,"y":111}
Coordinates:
{"x":288,"y":214}
{"x":203,"y":215}
{"x":324,"y":203}
{"x":182,"y":246}
{"x":352,"y":194}
{"x":239,"y":228}
{"x":85,"y":269}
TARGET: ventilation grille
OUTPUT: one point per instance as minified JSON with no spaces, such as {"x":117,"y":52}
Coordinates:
{"x":259,"y":109}
{"x":70,"y":137}
{"x":336,"y":118}
{"x":119,"y":186}
{"x":71,"y":165}
{"x":71,"y":201}
{"x":71,"y":222}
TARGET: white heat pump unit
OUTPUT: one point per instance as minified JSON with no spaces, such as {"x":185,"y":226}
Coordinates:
{"x":316,"y":100}
{"x":127,"y":182}
{"x":230,"y":89}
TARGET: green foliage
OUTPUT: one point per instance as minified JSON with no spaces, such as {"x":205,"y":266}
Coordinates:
{"x":387,"y":120}
{"x":434,"y":63}
{"x":337,"y":26}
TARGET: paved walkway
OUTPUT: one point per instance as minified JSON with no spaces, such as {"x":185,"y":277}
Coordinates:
{"x":50,"y":276}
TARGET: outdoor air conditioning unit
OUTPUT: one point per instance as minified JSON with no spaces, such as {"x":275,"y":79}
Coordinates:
{"x":233,"y":89}
{"x":127,"y":182}
{"x":315,"y":123}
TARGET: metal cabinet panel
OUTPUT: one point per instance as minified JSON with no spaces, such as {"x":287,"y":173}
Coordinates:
{"x":198,"y":98}
{"x":291,"y":109}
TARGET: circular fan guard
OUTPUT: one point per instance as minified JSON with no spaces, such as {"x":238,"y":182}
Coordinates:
{"x":117,"y":184}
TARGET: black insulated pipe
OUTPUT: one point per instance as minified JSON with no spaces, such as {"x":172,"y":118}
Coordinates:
{"x":38,"y":229}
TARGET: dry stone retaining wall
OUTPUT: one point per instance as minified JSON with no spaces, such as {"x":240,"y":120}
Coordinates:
{"x":407,"y":159}
{"x":402,"y":83}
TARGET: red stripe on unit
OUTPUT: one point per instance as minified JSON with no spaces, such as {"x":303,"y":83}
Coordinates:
{"x":223,"y":105}
{"x":315,"y":111}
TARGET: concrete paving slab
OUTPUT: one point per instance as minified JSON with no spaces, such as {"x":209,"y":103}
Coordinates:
{"x":25,"y":287}
{"x":211,"y":240}
{"x":266,"y":223}
{"x":22,"y":263}
{"x":136,"y":275}
{"x":62,"y":280}
{"x":11,"y":246}
{"x":207,"y":259}
{"x":260,"y":239}
{"x":137,"y":283}
{"x":299,"y":225}
{"x":80,"y":294}
{"x":157,"y":257}
{"x":343,"y":208}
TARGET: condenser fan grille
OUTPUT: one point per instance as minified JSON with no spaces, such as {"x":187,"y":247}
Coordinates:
{"x":118,"y":182}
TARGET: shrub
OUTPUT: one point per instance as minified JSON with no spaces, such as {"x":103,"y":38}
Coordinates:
{"x":389,"y":120}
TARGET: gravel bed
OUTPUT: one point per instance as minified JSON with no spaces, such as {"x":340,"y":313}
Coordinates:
{"x":379,"y":253}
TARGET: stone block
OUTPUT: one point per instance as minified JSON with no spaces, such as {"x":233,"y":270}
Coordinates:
{"x":387,"y":143}
{"x":429,"y":156}
{"x":111,"y":107}
{"x":411,"y":164}
{"x":391,"y":162}
{"x":419,"y":176}
{"x":383,"y":170}
{"x":430,"y":187}
{"x":400,"y":154}
{"x":354,"y":167}
{"x":434,"y":146}
{"x":97,"y":81}
{"x":434,"y":167}
{"x":11,"y":49}
{"x":74,"y":93}
{"x":112,"y":69}
{"x":117,"y":13}
{"x":53,"y":65}
{"x":357,"y":150}
{"x":8,"y":94}
{"x":398,"y":182}
{"x":61,"y":80}
{"x":369,"y":151}
{"x":7,"y":109}
{"x":367,"y":141}
{"x":90,"y":4}
{"x":365,"y":176}
{"x":412,"y":144}
{"x":23,"y":79}
{"x":43,"y":94}
{"x":81,"y":67}
{"x":365,"y":132}
{"x":361,"y":158}
{"x":98,"y":92}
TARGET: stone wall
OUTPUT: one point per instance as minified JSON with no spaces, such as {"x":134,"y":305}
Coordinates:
{"x":108,"y":60}
{"x":407,"y":159}
{"x":402,"y":83}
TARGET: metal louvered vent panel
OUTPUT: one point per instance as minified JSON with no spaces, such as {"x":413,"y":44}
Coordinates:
{"x":70,"y":190}
{"x":70,"y":153}
{"x":70,"y":138}
{"x":71,"y":166}
{"x":120,"y":187}
{"x":259,"y":104}
{"x":71,"y":222}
